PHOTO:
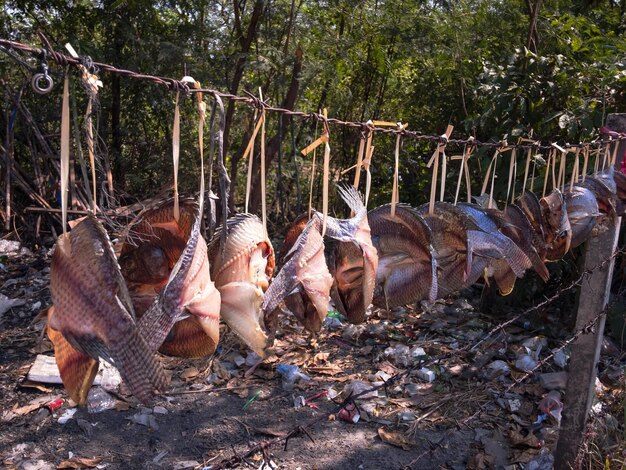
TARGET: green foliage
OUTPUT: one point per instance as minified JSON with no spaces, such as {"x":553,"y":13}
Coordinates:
{"x":428,"y":63}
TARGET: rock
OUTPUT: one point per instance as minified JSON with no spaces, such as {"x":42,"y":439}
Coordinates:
{"x":553,"y":380}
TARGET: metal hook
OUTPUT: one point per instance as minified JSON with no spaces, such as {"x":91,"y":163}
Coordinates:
{"x":41,"y":82}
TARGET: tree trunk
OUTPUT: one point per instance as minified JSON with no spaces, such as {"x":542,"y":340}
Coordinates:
{"x":245,"y":42}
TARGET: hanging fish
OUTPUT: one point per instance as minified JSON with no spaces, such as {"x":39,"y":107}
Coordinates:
{"x":558,"y":232}
{"x":448,"y":227}
{"x":531,"y":207}
{"x":303,"y":284}
{"x":354,"y":259}
{"x":582,"y":212}
{"x":242,"y":269}
{"x":620,"y":187}
{"x":510,"y":262}
{"x":149,"y":267}
{"x":466,"y":234}
{"x":518,"y":229}
{"x":407,"y":265}
{"x":93,"y":315}
{"x":605,"y":191}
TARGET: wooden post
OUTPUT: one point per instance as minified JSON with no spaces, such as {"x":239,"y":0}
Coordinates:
{"x":593,"y":298}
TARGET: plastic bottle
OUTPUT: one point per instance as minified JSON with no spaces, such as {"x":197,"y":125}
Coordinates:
{"x":290,"y":373}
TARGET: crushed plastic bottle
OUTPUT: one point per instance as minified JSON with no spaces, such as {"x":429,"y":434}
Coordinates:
{"x":400,"y":354}
{"x":333,"y":320}
{"x":98,"y":400}
{"x":290,"y":374}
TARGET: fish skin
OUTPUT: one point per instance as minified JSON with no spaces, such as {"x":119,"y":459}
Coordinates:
{"x":464,"y":251}
{"x":449,"y":240}
{"x":582,"y":212}
{"x":558,"y":235}
{"x":607,"y":201}
{"x":407,"y":268}
{"x":242,"y":269}
{"x":292,"y":234}
{"x":491,"y":223}
{"x":620,"y":189}
{"x":94,"y":314}
{"x":188,"y":288}
{"x":355,"y":258}
{"x":519,"y":230}
{"x":305,"y":275}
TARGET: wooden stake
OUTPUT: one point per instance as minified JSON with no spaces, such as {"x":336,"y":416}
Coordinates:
{"x":592,"y":300}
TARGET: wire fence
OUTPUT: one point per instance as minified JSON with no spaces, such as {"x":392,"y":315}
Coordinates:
{"x":12,"y":47}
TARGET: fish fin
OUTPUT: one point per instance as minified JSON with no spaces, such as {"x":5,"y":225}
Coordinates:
{"x":351,"y":197}
{"x":171,"y":226}
{"x":77,"y":370}
{"x":434,"y":284}
{"x":498,"y":246}
{"x":505,"y":279}
{"x":138,"y":366}
{"x":241,"y":311}
{"x":189,"y":340}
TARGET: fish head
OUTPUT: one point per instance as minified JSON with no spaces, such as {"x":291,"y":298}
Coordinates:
{"x":306,"y":274}
{"x":582,"y":212}
{"x":242,"y":268}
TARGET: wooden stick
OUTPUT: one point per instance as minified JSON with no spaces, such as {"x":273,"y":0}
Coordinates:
{"x":176,"y":155}
{"x":394,"y":189}
{"x":263,"y":180}
{"x":250,"y":150}
{"x":434,"y":160}
{"x":359,"y":163}
{"x":9,"y":167}
{"x":65,"y":148}
{"x":585,"y":160}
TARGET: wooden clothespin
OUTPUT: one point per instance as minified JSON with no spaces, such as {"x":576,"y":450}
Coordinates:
{"x":434,"y":160}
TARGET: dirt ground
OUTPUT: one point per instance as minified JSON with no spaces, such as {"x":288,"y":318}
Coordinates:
{"x":219,"y":408}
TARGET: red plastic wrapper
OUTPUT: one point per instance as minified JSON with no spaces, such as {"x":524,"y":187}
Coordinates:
{"x":349,"y":413}
{"x":55,"y":404}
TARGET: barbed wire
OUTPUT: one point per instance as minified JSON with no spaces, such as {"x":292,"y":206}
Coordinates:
{"x":366,"y":127}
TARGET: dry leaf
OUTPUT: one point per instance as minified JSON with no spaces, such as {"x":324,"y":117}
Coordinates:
{"x":395,"y":438}
{"x":519,"y":440}
{"x":320,"y":358}
{"x":80,"y":462}
{"x":189,"y":373}
{"x":326,"y":370}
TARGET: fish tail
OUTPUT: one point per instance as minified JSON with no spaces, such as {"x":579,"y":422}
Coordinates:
{"x":138,"y":366}
{"x":351,"y":197}
{"x":434,"y":267}
{"x":77,"y":370}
